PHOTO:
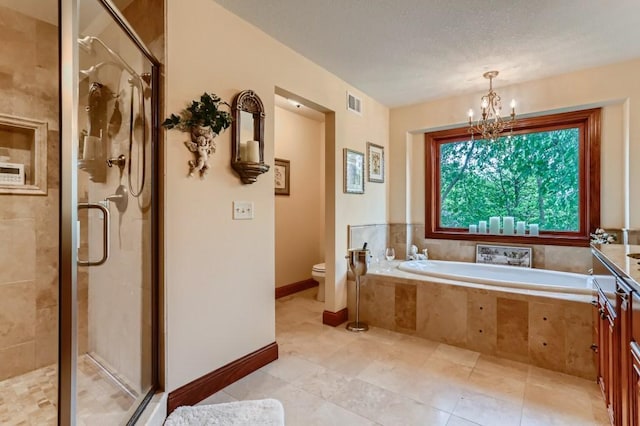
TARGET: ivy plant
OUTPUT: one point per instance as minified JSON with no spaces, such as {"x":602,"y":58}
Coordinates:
{"x":205,"y":112}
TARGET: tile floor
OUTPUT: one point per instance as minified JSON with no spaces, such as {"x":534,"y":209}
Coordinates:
{"x":30,"y":399}
{"x":329,"y":376}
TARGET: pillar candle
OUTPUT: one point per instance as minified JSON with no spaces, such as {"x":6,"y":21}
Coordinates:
{"x":243,"y":151}
{"x":494,"y":225}
{"x":507,"y":225}
{"x":253,"y":151}
{"x":520,"y":227}
{"x":473,"y":229}
{"x":482,"y":227}
{"x":533,"y":229}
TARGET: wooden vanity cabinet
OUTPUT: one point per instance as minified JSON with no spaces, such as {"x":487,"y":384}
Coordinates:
{"x":624,"y":302}
{"x":608,"y":353}
{"x":634,"y":401}
{"x":615,"y":330}
{"x":634,"y":361}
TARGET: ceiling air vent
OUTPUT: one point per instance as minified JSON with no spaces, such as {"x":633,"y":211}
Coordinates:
{"x":354,"y":103}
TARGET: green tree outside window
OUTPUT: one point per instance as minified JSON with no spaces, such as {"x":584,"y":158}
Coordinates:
{"x":533,"y":177}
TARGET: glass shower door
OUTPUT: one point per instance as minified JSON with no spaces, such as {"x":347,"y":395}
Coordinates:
{"x":116,"y":119}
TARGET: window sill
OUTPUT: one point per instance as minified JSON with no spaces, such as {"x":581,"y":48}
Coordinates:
{"x":573,"y":240}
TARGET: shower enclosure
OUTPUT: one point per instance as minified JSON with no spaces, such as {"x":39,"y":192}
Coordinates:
{"x":78,"y":214}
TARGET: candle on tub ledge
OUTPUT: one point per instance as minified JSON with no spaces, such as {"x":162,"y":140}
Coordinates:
{"x":494,"y":225}
{"x":473,"y":229}
{"x":520,"y":227}
{"x":507,"y":225}
{"x":533,"y":229}
{"x":482,"y":227}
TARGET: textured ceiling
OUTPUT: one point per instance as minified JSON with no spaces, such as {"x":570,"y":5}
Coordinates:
{"x":407,"y":51}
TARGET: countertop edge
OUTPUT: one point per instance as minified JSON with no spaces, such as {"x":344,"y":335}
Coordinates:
{"x":600,"y":252}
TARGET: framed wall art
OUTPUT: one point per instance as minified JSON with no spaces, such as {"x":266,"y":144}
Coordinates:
{"x":503,"y":255}
{"x":353,"y":172}
{"x":281,"y":171}
{"x":375,"y":162}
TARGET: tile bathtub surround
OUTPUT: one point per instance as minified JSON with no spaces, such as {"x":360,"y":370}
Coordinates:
{"x":401,"y":236}
{"x":328,"y":376}
{"x":547,"y":332}
{"x":374,"y":235}
{"x":557,"y":258}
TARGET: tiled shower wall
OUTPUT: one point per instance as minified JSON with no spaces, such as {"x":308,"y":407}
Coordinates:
{"x":29,"y":223}
{"x":401,"y":236}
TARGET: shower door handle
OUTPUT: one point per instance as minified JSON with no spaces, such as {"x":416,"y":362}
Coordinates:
{"x":105,"y":233}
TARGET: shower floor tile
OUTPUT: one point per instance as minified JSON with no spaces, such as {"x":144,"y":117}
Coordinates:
{"x":30,"y":399}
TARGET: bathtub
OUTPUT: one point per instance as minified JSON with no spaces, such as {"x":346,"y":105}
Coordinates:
{"x":503,"y":276}
{"x":544,"y":318}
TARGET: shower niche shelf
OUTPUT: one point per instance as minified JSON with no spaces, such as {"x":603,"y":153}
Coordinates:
{"x":23,"y":156}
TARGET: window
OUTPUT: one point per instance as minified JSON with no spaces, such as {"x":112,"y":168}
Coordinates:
{"x":546,"y":172}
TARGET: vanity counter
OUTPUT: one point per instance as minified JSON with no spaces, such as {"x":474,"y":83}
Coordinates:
{"x":615,"y":257}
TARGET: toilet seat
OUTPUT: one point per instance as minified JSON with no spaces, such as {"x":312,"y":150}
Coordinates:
{"x":317,"y":273}
{"x":320,"y":268}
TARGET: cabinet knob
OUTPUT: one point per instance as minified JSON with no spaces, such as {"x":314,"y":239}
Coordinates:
{"x":594,"y":348}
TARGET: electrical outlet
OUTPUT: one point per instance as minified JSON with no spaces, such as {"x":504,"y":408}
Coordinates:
{"x":242,"y":210}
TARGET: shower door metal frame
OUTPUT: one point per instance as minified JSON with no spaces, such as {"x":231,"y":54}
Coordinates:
{"x":68,"y":267}
{"x":68,"y":25}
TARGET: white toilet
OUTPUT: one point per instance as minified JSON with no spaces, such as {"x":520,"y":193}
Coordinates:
{"x":317,"y":273}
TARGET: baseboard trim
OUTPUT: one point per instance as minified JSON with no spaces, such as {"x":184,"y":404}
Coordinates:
{"x":212,"y":382}
{"x":288,"y":289}
{"x":334,"y":319}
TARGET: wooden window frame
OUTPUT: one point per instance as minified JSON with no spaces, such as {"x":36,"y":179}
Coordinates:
{"x":588,"y":121}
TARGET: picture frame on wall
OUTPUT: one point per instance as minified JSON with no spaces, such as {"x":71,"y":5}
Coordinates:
{"x":375,"y":163}
{"x":504,"y":255}
{"x":281,"y":172}
{"x":353,"y":171}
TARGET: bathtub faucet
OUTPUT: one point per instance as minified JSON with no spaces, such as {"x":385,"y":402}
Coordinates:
{"x":414,"y":255}
{"x":421,"y":256}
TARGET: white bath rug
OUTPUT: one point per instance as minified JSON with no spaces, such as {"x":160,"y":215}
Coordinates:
{"x":263,"y":412}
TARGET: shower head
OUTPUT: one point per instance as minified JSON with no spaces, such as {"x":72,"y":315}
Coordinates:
{"x":86,"y":43}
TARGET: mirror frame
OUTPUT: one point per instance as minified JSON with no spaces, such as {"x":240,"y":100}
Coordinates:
{"x":247,"y":101}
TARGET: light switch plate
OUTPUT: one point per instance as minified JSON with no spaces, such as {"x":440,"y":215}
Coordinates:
{"x":242,"y":210}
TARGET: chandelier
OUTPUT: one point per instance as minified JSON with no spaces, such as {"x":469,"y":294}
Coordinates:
{"x":491,"y":123}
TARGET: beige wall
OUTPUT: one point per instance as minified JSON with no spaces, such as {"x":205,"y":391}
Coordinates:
{"x":299,"y":231}
{"x":219,"y":272}
{"x":614,"y":87}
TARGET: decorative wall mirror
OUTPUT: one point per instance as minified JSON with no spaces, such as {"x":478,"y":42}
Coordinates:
{"x":247,"y":136}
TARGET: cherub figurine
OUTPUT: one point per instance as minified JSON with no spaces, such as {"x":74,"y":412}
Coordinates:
{"x":202,"y":144}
